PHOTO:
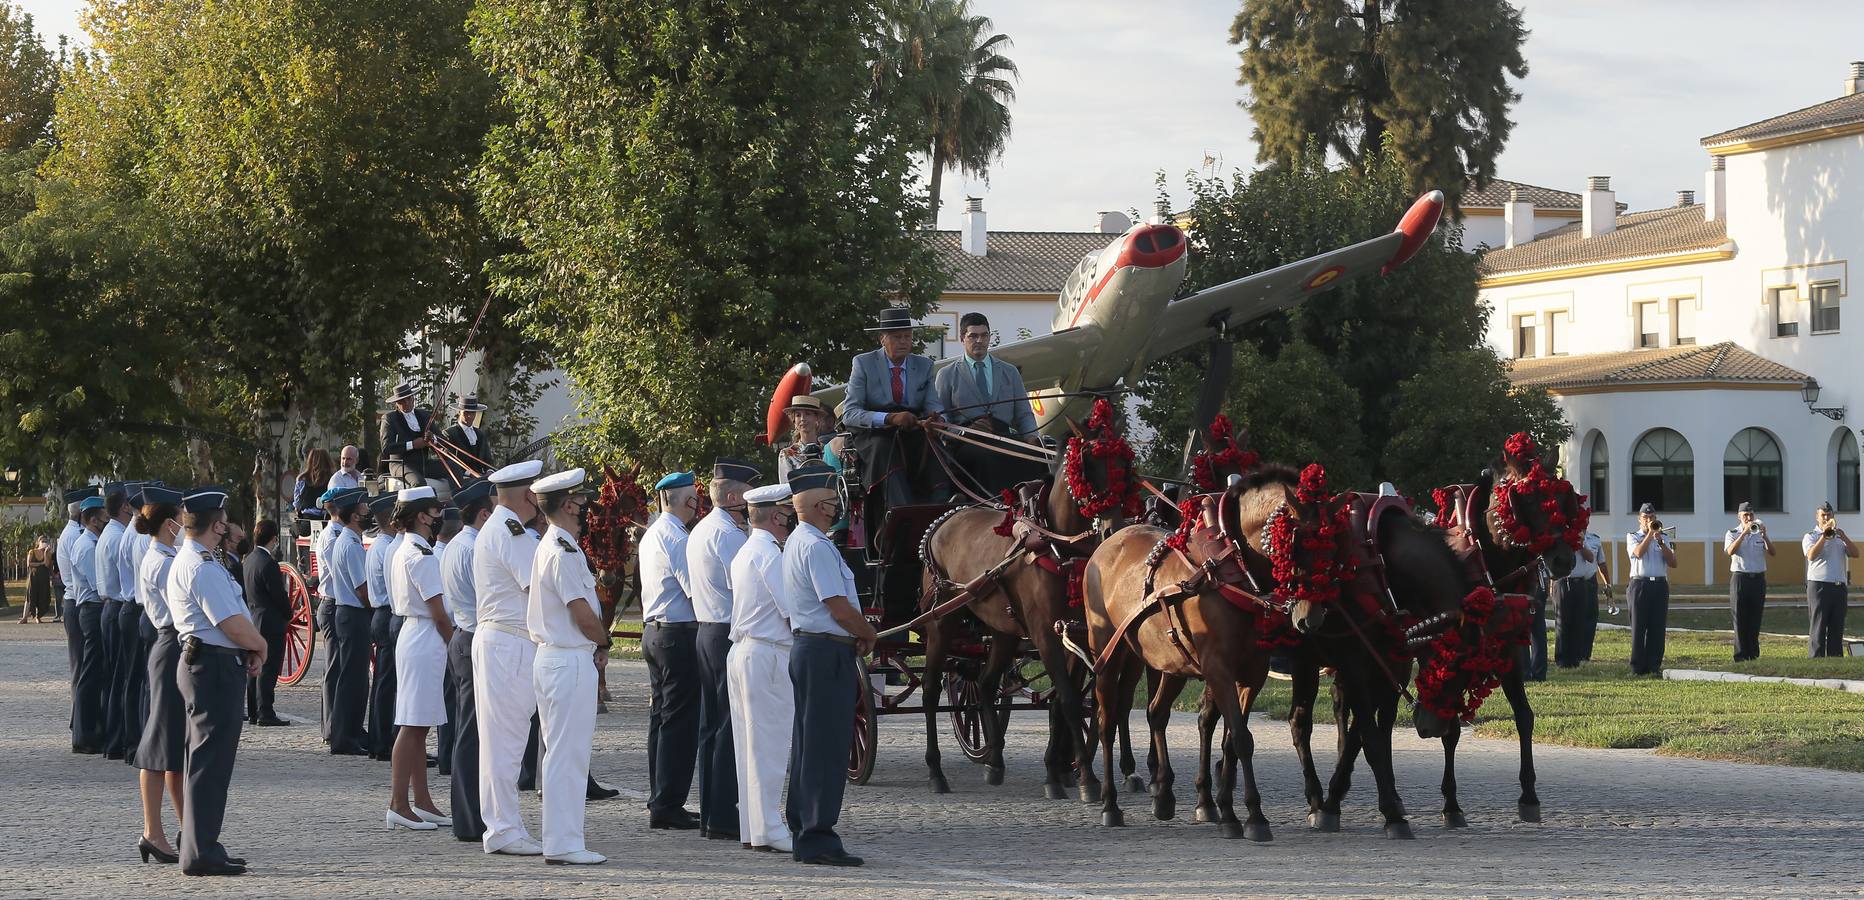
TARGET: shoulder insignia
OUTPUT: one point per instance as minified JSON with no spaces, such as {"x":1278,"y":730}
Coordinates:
{"x":567,"y":546}
{"x":207,"y":556}
{"x":517,"y":527}
{"x":425,"y":551}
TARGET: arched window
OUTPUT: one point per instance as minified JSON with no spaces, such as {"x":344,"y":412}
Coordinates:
{"x":1599,"y":475}
{"x":1751,"y":471}
{"x":1847,"y":498}
{"x":1663,"y":472}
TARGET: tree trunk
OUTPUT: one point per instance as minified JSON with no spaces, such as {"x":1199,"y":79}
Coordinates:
{"x":1373,"y":86}
{"x":938,"y":178}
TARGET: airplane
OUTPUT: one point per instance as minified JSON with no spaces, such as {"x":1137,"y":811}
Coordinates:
{"x":1117,"y":313}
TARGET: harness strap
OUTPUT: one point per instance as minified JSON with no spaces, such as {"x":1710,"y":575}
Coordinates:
{"x":1385,"y":667}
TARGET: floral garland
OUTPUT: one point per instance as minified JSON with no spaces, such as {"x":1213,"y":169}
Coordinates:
{"x":1205,"y":463}
{"x":605,"y":535}
{"x":1122,"y":493}
{"x":1007,"y":527}
{"x":1484,"y":660}
{"x":1520,"y":448}
{"x":1328,"y":545}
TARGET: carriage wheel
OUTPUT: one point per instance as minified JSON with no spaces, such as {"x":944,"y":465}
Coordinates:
{"x":301,"y":631}
{"x":967,"y":715}
{"x":866,"y":728}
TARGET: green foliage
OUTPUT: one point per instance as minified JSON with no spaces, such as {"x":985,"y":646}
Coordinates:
{"x":1360,"y":377}
{"x":703,"y":195}
{"x":1429,"y":75}
{"x":28,"y":81}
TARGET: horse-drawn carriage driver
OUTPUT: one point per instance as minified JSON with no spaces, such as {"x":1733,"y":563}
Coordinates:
{"x":983,"y":393}
{"x":890,"y":395}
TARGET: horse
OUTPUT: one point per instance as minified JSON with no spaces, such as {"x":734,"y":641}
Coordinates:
{"x":1202,"y":623}
{"x":611,"y":531}
{"x":1015,"y":559}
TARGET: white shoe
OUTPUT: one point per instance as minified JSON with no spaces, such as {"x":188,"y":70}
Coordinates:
{"x":434,"y":819}
{"x":577,"y":858}
{"x":783,"y":845}
{"x":395,"y":821}
{"x":522,"y":847}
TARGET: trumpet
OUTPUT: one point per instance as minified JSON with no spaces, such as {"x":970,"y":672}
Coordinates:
{"x":1669,"y":530}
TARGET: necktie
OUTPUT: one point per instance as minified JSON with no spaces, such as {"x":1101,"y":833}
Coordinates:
{"x":899,"y":385}
{"x":983,"y":383}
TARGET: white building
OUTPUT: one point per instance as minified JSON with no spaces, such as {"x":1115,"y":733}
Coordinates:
{"x":1679,"y":337}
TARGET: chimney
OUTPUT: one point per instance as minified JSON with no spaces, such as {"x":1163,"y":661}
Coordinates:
{"x":1855,"y":83}
{"x":1685,"y":198}
{"x":972,"y":235}
{"x":1599,"y":210}
{"x":1715,"y":190}
{"x":1161,"y":213}
{"x":1517,"y":220}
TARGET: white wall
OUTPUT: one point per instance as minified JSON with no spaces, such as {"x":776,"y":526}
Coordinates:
{"x":1488,"y":230}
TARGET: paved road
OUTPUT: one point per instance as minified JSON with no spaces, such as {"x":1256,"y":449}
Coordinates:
{"x":1618,"y":823}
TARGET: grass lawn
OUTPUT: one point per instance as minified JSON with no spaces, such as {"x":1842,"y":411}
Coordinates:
{"x":1775,"y":620}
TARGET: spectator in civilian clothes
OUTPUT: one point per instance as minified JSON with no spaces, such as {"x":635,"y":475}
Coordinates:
{"x":1827,"y":547}
{"x":1748,"y":547}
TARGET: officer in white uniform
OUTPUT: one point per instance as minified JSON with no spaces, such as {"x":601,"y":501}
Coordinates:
{"x":91,"y":685}
{"x":503,"y":655}
{"x":714,"y":542}
{"x":475,"y":502}
{"x":669,"y":637}
{"x":563,"y":614}
{"x":763,"y":707}
{"x":384,"y":628}
{"x":420,"y":658}
{"x":221,"y":648}
{"x":346,"y":578}
{"x":830,"y":634}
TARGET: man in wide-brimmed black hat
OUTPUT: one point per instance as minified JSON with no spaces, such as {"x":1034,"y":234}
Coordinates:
{"x":404,"y":437}
{"x":890,"y":397}
{"x":467,"y":441}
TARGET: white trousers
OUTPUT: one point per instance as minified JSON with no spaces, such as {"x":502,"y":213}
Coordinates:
{"x":565,"y":683}
{"x":763,"y":715}
{"x":505,"y":698}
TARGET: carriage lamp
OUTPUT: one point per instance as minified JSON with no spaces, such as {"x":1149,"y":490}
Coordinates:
{"x":1809,"y":392}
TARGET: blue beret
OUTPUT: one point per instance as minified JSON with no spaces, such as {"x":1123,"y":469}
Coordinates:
{"x":674,"y":480}
{"x":328,"y":495}
{"x":90,"y":503}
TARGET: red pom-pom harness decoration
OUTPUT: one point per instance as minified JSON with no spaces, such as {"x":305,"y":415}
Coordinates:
{"x":605,"y":537}
{"x":1484,"y":656}
{"x":1537,"y":486}
{"x":1121,"y":496}
{"x":1205,"y":464}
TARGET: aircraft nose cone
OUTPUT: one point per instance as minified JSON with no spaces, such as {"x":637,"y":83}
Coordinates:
{"x":1153,"y":246}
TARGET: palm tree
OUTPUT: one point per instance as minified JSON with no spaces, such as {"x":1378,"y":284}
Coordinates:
{"x":948,"y":66}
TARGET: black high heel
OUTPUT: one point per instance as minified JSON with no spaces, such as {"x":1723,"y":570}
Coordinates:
{"x":147,"y":850}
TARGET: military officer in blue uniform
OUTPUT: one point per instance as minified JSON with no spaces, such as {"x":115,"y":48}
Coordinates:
{"x":221,"y":648}
{"x":461,"y":598}
{"x":669,"y":636}
{"x":67,"y":551}
{"x":714,"y":542}
{"x":384,"y":628}
{"x":345,"y":577}
{"x":91,"y":685}
{"x":110,"y":589}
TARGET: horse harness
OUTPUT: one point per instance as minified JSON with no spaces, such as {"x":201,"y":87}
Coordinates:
{"x":1466,"y":541}
{"x":1058,"y":554}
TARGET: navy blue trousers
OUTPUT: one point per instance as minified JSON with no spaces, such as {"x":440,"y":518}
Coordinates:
{"x":822,"y":673}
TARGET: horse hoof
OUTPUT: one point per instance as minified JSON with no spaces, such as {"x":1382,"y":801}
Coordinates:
{"x":993,"y":775}
{"x":1112,"y":818}
{"x":1231,"y":830}
{"x":1530,"y":812}
{"x":1323,"y":821}
{"x":1398,"y":831}
{"x":1134,"y":785}
{"x":1090,"y":793}
{"x":1453,"y":818}
{"x":1204,"y":813}
{"x":1164,"y":807}
{"x":939,"y":784}
{"x":1258,"y":832}
{"x":1053,"y":791}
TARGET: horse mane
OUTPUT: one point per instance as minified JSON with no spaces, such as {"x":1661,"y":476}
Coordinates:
{"x":1267,"y":474}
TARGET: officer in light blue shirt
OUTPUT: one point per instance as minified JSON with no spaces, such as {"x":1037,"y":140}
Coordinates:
{"x":384,"y":628}
{"x":92,"y":683}
{"x":221,"y":648}
{"x":830,"y":634}
{"x":715,"y":541}
{"x":346,"y":680}
{"x":475,"y":503}
{"x":67,"y":550}
{"x":669,"y":638}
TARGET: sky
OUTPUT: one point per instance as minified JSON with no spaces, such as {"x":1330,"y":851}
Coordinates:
{"x":1113,"y":92}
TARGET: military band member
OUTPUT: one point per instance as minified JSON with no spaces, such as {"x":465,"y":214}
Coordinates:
{"x":384,"y":628}
{"x":326,"y":602}
{"x":763,"y":705}
{"x":830,"y":633}
{"x":65,"y":552}
{"x":88,"y":691}
{"x":1748,"y":547}
{"x":714,"y":541}
{"x":404,"y":437}
{"x":420,"y":658}
{"x":220,"y":650}
{"x":347,"y":579}
{"x":1648,"y":596}
{"x":1828,"y":550}
{"x":469,"y":437}
{"x":564,"y":621}
{"x":110,"y":588}
{"x":503,"y":656}
{"x":669,"y":635}
{"x":162,"y":746}
{"x":475,"y":500}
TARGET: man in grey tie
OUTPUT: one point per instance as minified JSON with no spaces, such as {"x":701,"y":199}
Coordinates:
{"x":983,"y":393}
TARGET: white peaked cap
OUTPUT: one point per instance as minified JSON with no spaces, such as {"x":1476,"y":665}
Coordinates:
{"x":767,"y":495}
{"x":409,"y":495}
{"x":560,"y":481}
{"x":518,"y":471}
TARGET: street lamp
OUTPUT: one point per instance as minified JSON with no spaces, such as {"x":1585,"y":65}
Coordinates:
{"x":275,"y":423}
{"x":1809,"y":392}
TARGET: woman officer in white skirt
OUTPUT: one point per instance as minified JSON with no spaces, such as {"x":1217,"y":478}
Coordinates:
{"x":163,"y":748}
{"x":420,"y":658}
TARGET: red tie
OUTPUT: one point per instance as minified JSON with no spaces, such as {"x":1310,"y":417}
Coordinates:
{"x":899,"y":386}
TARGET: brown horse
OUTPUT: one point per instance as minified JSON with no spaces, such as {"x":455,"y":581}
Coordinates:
{"x":1192,"y":627}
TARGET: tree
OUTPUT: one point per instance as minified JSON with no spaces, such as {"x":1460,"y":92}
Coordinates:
{"x":1430,"y":75}
{"x":28,"y":80}
{"x":1387,"y":341}
{"x":943,"y":62}
{"x":704,"y":194}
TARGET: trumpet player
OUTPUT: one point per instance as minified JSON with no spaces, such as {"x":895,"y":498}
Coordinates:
{"x":1828,"y":551}
{"x":1748,"y":547}
{"x":1652,"y":557}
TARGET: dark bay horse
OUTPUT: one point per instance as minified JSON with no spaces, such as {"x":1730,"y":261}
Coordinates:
{"x":611,"y":529}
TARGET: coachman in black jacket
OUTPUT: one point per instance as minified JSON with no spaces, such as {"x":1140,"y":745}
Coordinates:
{"x":404,"y":442}
{"x":271,"y":613}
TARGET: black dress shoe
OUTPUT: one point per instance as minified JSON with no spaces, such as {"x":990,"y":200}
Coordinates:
{"x":711,"y":835}
{"x":114,"y":754}
{"x":348,"y":751}
{"x":87,"y":751}
{"x":678,"y":820}
{"x":226,"y":868}
{"x":598,"y":792}
{"x":273,"y":722}
{"x":837,"y":858}
{"x":527,"y":786}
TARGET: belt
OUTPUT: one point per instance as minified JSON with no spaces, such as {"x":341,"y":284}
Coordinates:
{"x":1650,"y":578}
{"x":565,"y":648}
{"x":780,"y":645}
{"x":508,"y":629}
{"x":196,"y":645}
{"x":837,"y":638}
{"x":666,"y":624}
{"x":166,"y":629}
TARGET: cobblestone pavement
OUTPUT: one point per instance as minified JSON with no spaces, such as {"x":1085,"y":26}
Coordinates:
{"x":1618,"y":823}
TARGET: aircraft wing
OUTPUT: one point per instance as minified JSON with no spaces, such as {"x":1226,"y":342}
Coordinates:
{"x":1044,"y":360}
{"x":1189,"y":320}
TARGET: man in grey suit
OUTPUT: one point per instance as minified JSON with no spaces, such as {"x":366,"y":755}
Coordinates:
{"x":889,"y":396}
{"x":986,"y":394}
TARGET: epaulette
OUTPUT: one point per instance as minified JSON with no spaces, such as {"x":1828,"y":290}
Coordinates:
{"x":207,"y":556}
{"x":517,"y":527}
{"x":566,"y":545}
{"x":425,"y":551}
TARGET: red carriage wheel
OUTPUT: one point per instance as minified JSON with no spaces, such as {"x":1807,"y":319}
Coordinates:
{"x":866,"y":728}
{"x":301,"y":632}
{"x":967,"y":715}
